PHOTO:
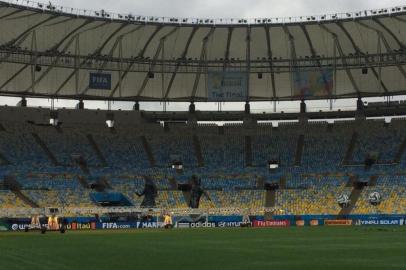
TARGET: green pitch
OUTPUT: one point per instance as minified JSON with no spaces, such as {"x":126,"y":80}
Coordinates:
{"x":291,"y":248}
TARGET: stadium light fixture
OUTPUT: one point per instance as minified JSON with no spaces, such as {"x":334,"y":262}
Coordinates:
{"x":53,"y":122}
{"x":110,"y":123}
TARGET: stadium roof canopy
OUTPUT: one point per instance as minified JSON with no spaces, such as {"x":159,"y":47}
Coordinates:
{"x":57,"y":52}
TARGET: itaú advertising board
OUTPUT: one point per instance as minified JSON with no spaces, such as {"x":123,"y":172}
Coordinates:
{"x":271,"y":223}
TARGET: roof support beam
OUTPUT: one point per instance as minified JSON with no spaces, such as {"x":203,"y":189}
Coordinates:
{"x":65,"y":37}
{"x":30,"y":29}
{"x":359,"y":52}
{"x":314,"y":55}
{"x":155,"y":59}
{"x":385,"y":43}
{"x":117,"y":42}
{"x":20,"y":39}
{"x":270,"y":59}
{"x":98,"y":51}
{"x":248,"y":60}
{"x":344,"y":61}
{"x":401,"y":45}
{"x":92,"y":55}
{"x":227,"y":52}
{"x":202,"y":63}
{"x":77,"y":53}
{"x":11,"y":14}
{"x":309,"y":40}
{"x":183,"y":57}
{"x":34,"y":60}
{"x":56,"y":47}
{"x":293,"y":56}
{"x":23,"y":36}
{"x":141,"y":54}
{"x":399,"y":19}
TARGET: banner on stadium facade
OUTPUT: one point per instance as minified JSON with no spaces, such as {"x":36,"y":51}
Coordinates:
{"x":271,"y":223}
{"x":389,"y":221}
{"x":313,"y":83}
{"x":227,"y":86}
{"x":100,"y":81}
{"x":338,"y":222}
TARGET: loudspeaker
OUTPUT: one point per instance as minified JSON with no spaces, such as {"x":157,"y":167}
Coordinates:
{"x":259,"y":76}
{"x":365,"y":71}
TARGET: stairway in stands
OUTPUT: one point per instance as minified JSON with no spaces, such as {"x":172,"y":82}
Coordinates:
{"x":282,"y":182}
{"x":372,"y":181}
{"x":15,"y":187}
{"x":248,"y":151}
{"x":188,"y":196}
{"x":350,"y":150}
{"x":401,"y":152}
{"x":25,"y":199}
{"x":355,"y":195}
{"x":270,"y":202}
{"x":148,"y":151}
{"x":96,"y":149}
{"x":46,"y":150}
{"x":260,"y":183}
{"x":198,"y":151}
{"x":4,"y":160}
{"x":83,"y":182}
{"x":299,"y":150}
{"x":173,"y":184}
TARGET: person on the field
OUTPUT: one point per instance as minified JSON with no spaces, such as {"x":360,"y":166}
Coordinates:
{"x":53,"y":224}
{"x":167,"y":221}
{"x":35,"y":222}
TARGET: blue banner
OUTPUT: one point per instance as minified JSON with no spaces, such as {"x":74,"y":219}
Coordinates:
{"x":101,"y":81}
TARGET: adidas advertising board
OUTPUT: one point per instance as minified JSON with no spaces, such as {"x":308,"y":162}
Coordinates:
{"x":223,"y":224}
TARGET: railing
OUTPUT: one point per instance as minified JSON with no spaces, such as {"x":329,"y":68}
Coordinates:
{"x":203,"y":21}
{"x":74,"y":211}
{"x":194,"y":66}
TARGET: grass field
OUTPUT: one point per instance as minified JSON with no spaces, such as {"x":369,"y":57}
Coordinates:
{"x":289,"y":248}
